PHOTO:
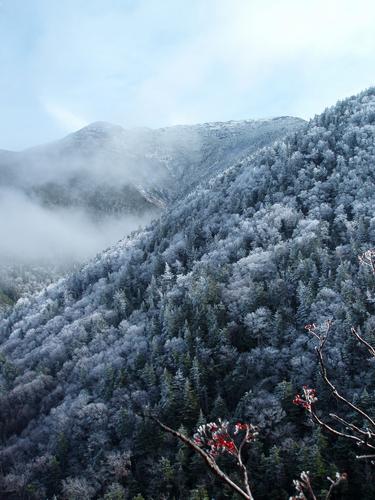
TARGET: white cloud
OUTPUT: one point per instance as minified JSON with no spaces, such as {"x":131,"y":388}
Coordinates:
{"x":39,"y":234}
{"x":248,"y":49}
{"x":157,"y":63}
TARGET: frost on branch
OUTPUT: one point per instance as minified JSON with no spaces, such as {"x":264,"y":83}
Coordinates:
{"x":303,"y":487}
{"x":215,"y":438}
{"x":304,"y":491}
{"x":307,"y":398}
{"x":362,"y":430}
{"x":368,"y":259}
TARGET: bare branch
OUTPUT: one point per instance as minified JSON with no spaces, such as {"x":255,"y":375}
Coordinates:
{"x":242,"y":465}
{"x":369,"y":347}
{"x":323,"y":371}
{"x":336,"y":485}
{"x":303,"y":487}
{"x":215,"y":469}
{"x":361,"y":436}
{"x":338,"y":433}
{"x":353,"y":427}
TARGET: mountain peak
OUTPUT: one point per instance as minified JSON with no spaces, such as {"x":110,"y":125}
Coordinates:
{"x":103,"y":125}
{"x":100,"y":127}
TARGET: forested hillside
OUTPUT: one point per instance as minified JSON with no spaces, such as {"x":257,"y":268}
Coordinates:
{"x":202,"y":316}
{"x":74,"y":197}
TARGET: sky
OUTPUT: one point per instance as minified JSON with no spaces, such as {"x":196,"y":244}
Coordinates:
{"x":66,"y":63}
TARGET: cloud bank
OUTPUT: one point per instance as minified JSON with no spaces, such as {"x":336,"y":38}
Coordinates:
{"x":38,"y":235}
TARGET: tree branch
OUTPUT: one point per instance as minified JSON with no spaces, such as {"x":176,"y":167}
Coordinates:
{"x":334,"y":431}
{"x":353,"y":427}
{"x":323,"y":371}
{"x":215,"y":469}
{"x":242,"y":465}
{"x":369,"y":347}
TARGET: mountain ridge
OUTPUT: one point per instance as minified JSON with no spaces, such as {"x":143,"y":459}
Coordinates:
{"x":106,"y":180}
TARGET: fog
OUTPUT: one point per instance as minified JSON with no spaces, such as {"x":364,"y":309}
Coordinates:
{"x":65,"y":201}
{"x":36,"y":234}
{"x":100,"y":151}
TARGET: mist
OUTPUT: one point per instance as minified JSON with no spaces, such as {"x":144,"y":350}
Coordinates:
{"x":62,"y":203}
{"x":41,"y":235}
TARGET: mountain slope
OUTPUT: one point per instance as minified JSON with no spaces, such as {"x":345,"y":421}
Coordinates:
{"x":201,"y":316}
{"x":156,"y":164}
{"x":70,"y":199}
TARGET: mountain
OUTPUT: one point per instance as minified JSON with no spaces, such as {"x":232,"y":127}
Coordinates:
{"x":201,"y":315}
{"x":107,"y":169}
{"x":67,"y":200}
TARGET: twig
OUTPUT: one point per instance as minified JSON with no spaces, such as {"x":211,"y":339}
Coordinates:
{"x":334,"y":431}
{"x":368,"y":434}
{"x":323,"y":371}
{"x":209,"y":461}
{"x":242,"y":465}
{"x":364,"y":342}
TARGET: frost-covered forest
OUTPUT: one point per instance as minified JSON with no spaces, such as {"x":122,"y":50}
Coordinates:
{"x":74,"y":197}
{"x":201,"y":316}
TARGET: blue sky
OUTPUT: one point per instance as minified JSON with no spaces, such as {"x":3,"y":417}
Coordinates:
{"x":66,"y":63}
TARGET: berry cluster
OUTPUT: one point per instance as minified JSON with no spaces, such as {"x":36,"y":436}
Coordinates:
{"x":308,"y":397}
{"x":215,"y":438}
